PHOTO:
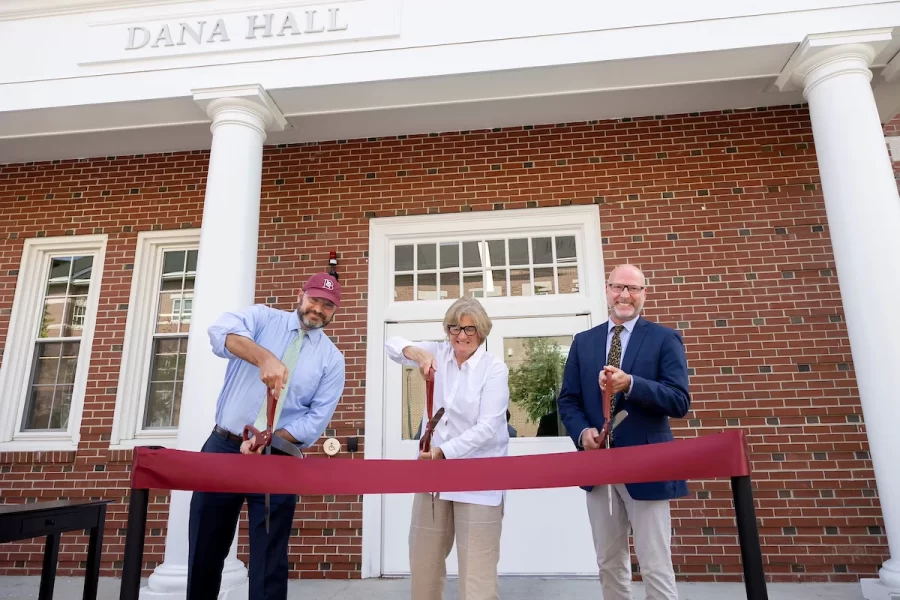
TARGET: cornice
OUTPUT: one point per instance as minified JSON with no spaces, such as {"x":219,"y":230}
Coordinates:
{"x":30,"y":9}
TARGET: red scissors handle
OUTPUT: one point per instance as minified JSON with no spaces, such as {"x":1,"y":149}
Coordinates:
{"x":263,"y":438}
{"x":604,"y":432}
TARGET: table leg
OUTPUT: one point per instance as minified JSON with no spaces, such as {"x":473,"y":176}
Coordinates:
{"x":48,"y":573}
{"x":95,"y":549}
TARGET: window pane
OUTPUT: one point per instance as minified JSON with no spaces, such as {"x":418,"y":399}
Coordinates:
{"x":168,"y":315}
{"x":403,"y":288}
{"x":568,"y":280}
{"x":565,"y":249}
{"x":520,"y":282}
{"x":62,"y":402}
{"x":50,"y":396}
{"x":542,"y":251}
{"x":496,"y":254}
{"x":403,"y":258}
{"x":426,"y":257}
{"x":160,"y":401}
{"x":449,"y":255}
{"x":518,"y":252}
{"x":82,"y":267}
{"x":543,"y":282}
{"x":192,"y":261}
{"x":40,"y":405}
{"x":535,"y":375}
{"x":471,"y":255}
{"x":58,"y":281}
{"x":473,"y":284}
{"x":184,"y":315}
{"x":495,"y":284}
{"x":173,"y":264}
{"x":449,"y":286}
{"x":173,"y":284}
{"x":166,"y":377}
{"x":68,"y":362}
{"x":427,"y":286}
{"x":47,"y":364}
{"x":52,"y":320}
{"x":413,"y":404}
{"x":75,"y":314}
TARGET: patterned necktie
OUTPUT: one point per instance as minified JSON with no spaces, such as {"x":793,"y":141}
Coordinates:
{"x":290,"y":361}
{"x":614,"y":360}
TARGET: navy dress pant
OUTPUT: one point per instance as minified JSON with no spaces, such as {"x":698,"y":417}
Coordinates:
{"x":213,"y":523}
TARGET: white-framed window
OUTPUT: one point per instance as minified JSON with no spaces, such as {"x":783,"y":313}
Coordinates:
{"x":48,"y":349}
{"x":488,"y":266}
{"x":148,"y":400}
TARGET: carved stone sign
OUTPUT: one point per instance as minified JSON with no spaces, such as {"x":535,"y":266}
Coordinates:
{"x":273,"y":28}
{"x":255,"y":26}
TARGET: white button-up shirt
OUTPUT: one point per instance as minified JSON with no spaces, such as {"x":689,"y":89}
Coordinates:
{"x":475,"y":398}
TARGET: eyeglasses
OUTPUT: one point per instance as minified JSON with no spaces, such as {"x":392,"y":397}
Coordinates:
{"x":632,"y":289}
{"x":455,"y":329}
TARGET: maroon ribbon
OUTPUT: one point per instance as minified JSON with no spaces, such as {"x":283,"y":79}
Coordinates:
{"x":706,"y":457}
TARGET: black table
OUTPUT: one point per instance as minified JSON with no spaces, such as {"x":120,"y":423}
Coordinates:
{"x":25,"y":521}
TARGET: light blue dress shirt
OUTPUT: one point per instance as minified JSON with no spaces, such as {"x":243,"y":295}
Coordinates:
{"x":313,"y":392}
{"x":623,"y":337}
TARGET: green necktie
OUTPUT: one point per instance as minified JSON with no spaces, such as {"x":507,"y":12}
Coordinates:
{"x":290,"y":361}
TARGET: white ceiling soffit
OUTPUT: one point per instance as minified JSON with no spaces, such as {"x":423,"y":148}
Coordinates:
{"x":459,"y":116}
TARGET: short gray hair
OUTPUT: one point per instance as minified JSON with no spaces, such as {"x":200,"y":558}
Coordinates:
{"x":467,"y":306}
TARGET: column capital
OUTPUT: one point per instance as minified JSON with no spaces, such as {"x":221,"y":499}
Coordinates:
{"x":248,"y":105}
{"x":825,"y":55}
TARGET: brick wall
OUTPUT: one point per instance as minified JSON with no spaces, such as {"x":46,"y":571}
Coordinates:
{"x":722,"y":210}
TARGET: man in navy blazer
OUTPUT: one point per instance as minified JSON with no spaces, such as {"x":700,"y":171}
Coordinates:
{"x":646,"y":366}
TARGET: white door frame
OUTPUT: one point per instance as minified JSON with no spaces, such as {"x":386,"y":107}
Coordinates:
{"x":582,"y":220}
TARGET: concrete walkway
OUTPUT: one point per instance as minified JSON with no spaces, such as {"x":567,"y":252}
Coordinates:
{"x":69,"y":588}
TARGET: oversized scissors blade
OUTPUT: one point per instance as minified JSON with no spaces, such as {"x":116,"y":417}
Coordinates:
{"x":617,"y":420}
{"x":282,"y":445}
{"x":268,"y":450}
{"x":436,"y":418}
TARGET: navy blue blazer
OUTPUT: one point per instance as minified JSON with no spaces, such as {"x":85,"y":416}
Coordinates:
{"x":655,"y":358}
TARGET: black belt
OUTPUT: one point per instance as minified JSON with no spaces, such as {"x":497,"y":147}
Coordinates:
{"x":231,"y":437}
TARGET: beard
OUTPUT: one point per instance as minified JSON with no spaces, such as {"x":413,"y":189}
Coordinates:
{"x":310,"y":324}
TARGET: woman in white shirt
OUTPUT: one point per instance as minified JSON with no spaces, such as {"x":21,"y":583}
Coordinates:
{"x":471,"y":385}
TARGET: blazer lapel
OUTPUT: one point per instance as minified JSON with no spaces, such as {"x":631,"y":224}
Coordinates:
{"x":634,"y":344}
{"x":600,"y":349}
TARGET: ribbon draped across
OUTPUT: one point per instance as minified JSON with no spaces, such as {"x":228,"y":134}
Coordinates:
{"x":705,"y":457}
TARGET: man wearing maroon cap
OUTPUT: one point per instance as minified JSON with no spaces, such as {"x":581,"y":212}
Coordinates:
{"x":288,"y":353}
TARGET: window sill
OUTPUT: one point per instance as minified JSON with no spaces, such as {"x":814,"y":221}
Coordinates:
{"x":39,"y":445}
{"x":166,"y":440}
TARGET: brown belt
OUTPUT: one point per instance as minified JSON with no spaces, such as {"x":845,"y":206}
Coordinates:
{"x":231,"y":437}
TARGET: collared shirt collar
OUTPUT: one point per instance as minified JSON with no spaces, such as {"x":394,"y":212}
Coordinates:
{"x":629,"y":325}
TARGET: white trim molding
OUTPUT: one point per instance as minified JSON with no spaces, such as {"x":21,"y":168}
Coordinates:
{"x":33,"y":9}
{"x":18,"y":355}
{"x":134,"y":372}
{"x":583,"y":221}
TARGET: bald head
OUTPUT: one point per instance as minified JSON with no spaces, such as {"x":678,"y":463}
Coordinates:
{"x":627,"y":270}
{"x":625,"y":293}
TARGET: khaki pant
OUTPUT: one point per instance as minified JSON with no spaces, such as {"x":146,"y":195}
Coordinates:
{"x":652,"y":526}
{"x":477,"y":532}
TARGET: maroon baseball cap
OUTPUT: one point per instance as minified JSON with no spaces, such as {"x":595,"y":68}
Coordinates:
{"x":322,"y":285}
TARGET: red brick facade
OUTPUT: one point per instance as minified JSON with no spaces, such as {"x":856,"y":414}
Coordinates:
{"x":723,"y":211}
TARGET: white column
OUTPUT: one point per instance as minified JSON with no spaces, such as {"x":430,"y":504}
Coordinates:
{"x":863,"y":210}
{"x":226,"y":278}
